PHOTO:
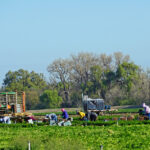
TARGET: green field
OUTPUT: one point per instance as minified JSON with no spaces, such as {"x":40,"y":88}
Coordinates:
{"x":82,"y":135}
{"x":75,"y":137}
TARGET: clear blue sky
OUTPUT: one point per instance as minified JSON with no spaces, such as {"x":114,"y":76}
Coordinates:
{"x":33,"y":33}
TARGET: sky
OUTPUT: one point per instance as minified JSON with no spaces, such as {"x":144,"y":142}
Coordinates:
{"x":34,"y":33}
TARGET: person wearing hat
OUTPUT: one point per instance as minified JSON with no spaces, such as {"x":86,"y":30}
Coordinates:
{"x":146,"y":110}
{"x":64,"y":114}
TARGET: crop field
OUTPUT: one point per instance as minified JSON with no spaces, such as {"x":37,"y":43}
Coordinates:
{"x":105,"y":133}
{"x":75,"y":137}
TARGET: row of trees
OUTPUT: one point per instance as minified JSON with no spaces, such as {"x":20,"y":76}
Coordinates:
{"x":38,"y":93}
{"x":115,"y":78}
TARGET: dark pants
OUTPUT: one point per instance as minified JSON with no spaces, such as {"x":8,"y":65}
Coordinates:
{"x":93,"y":117}
{"x":84,"y":118}
{"x":148,"y":114}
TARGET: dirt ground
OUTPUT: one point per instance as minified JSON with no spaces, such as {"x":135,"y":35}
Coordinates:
{"x":73,"y":109}
{"x":52,"y":110}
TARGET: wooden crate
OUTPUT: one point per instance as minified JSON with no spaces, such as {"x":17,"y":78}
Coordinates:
{"x":130,"y":118}
{"x":115,"y":119}
{"x":141,"y":118}
{"x":123,"y":118}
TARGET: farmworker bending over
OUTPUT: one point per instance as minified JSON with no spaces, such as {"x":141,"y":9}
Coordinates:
{"x":64,"y":114}
{"x":6,"y":120}
{"x":92,"y":116}
{"x":147,"y":110}
{"x":82,"y":115}
{"x":52,"y":116}
{"x":30,"y":118}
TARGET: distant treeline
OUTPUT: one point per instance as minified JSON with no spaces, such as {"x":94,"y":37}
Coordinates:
{"x":115,"y":78}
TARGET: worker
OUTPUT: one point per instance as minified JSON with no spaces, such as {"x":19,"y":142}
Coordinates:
{"x":52,"y":116}
{"x":146,"y":110}
{"x":64,"y":114}
{"x":30,"y":118}
{"x":92,"y":116}
{"x":5,"y":119}
{"x":82,"y":115}
{"x":8,"y":106}
{"x":65,"y":117}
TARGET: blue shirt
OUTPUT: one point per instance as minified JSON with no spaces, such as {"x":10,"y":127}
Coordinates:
{"x":65,"y":115}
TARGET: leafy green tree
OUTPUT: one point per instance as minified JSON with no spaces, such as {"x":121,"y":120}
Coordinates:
{"x":102,"y":80}
{"x":108,"y":76}
{"x":23,"y":80}
{"x":32,"y":99}
{"x":127,"y":73}
{"x":50,"y":99}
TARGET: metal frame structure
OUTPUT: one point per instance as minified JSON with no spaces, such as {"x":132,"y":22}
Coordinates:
{"x":12,"y":102}
{"x":90,"y":104}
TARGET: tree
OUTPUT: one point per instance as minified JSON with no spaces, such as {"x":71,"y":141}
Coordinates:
{"x":59,"y":72}
{"x":22,"y":80}
{"x":50,"y":99}
{"x":96,"y":75}
{"x":105,"y":61}
{"x":81,"y":65}
{"x":119,"y":58}
{"x":127,"y":73}
{"x":101,"y":80}
{"x":32,"y":99}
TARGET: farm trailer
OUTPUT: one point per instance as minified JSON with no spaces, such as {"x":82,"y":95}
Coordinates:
{"x":95,"y":105}
{"x":12,"y":102}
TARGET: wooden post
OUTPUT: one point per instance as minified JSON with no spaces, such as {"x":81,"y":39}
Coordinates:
{"x":6,"y":99}
{"x":6,"y":102}
{"x":23,"y":101}
{"x":16,"y":103}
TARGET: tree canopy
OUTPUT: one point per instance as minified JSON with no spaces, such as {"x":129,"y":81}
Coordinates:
{"x":50,"y":99}
{"x":23,"y":80}
{"x":115,"y":78}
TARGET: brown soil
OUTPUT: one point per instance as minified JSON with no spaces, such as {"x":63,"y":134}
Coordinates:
{"x":52,"y":110}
